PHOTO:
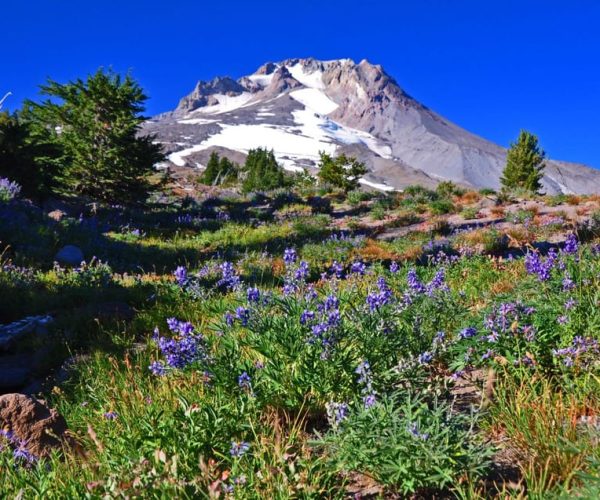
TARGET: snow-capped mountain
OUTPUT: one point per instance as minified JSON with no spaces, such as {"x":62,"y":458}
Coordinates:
{"x":299,"y":107}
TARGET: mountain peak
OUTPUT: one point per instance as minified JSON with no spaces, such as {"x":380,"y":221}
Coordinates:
{"x":302,"y":106}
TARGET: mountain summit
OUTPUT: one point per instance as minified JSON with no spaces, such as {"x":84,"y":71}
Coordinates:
{"x":299,"y":107}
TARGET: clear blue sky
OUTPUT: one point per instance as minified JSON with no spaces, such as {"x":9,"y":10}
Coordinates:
{"x":491,"y":66}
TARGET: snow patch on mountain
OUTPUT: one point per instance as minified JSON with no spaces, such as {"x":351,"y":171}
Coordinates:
{"x":315,"y":100}
{"x":225,"y":104}
{"x":312,"y":80}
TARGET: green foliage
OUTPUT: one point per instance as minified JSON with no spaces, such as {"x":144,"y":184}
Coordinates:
{"x":469,"y":213}
{"x":441,"y":207}
{"x":409,"y":445}
{"x":487,"y":191}
{"x":219,"y":170}
{"x":262,"y":172}
{"x":447,"y":189}
{"x":25,"y":160}
{"x":94,"y":124}
{"x":524,"y":164}
{"x":342,"y":172}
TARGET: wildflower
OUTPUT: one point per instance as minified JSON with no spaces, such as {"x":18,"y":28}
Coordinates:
{"x":414,"y":283}
{"x":243,"y":315}
{"x":289,"y":256}
{"x":337,"y":412}
{"x":111,"y":415}
{"x":567,"y":283}
{"x":369,"y":400}
{"x":562,"y":320}
{"x":306,"y":316}
{"x":336,"y":269}
{"x":571,"y":244}
{"x":244,"y":381}
{"x":302,"y":272}
{"x":229,"y":278}
{"x":413,"y":430}
{"x":358,"y":268}
{"x":437,"y":283}
{"x":570,"y":304}
{"x":394,"y":267}
{"x":238,"y":449}
{"x":425,"y":358}
{"x":467,"y":333}
{"x":158,"y":368}
{"x":439,"y":338}
{"x":253,"y":295}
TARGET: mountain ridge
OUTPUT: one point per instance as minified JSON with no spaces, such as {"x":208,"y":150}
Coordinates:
{"x":301,"y":106}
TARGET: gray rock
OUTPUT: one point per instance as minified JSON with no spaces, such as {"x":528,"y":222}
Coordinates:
{"x":69,"y":255}
{"x":14,"y":332}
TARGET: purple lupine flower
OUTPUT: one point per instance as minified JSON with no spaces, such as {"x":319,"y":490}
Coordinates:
{"x":425,"y":358}
{"x":413,"y":430}
{"x":253,"y":295}
{"x":229,"y":319}
{"x":302,"y":272}
{"x":376,"y":300}
{"x":243,"y":315}
{"x":244,"y":381}
{"x":571,"y":244}
{"x":8,"y":190}
{"x":570,"y":304}
{"x":238,"y":449}
{"x":289,"y":289}
{"x":358,"y":268}
{"x":567,"y":283}
{"x":439,"y":338}
{"x":336,"y":269}
{"x":337,"y":412}
{"x":468,"y":332}
{"x":414,"y":283}
{"x":111,"y":415}
{"x":394,"y":267}
{"x":229,"y":279}
{"x":307,"y":316}
{"x":23,"y":456}
{"x":289,"y":256}
{"x":158,"y":368}
{"x":562,"y":320}
{"x":369,"y":400}
{"x":437,"y":283}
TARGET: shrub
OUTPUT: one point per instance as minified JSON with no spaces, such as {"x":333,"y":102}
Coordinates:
{"x":262,"y":172}
{"x":356,"y":197}
{"x":441,"y":207}
{"x":408,"y":445}
{"x":469,"y":213}
{"x":342,"y":172}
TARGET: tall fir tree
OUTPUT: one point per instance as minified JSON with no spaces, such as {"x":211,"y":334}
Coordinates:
{"x":211,"y":171}
{"x":343,"y":172}
{"x":262,"y":172}
{"x":524,"y":164}
{"x":96,"y":123}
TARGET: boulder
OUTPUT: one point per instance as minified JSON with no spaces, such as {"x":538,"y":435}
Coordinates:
{"x":69,"y":255}
{"x":31,"y":326}
{"x":37,"y":427}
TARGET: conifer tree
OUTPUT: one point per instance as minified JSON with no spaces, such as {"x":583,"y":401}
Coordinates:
{"x":524,"y":164}
{"x":262,"y":172}
{"x":96,"y":123}
{"x":342,"y":172}
{"x":211,"y":171}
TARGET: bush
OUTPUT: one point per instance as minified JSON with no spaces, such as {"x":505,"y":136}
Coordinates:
{"x":447,"y":189}
{"x":262,"y":172}
{"x":356,"y":197}
{"x":342,"y":172}
{"x":408,"y":445}
{"x":469,"y":213}
{"x":441,"y":207}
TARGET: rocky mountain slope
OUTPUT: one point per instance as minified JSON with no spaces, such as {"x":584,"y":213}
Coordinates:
{"x":299,"y":107}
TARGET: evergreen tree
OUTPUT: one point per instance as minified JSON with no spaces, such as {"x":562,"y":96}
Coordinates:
{"x":262,"y":172}
{"x":95,"y":124}
{"x":29,"y":162}
{"x":524,"y":164}
{"x":211,"y":171}
{"x":342,"y":172}
{"x":219,"y":170}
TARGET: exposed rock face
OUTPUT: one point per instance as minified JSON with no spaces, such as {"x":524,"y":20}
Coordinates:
{"x":299,"y":107}
{"x":69,"y":255}
{"x":39,"y":428}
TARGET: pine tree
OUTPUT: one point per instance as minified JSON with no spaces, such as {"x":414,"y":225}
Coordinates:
{"x":262,"y":172}
{"x":95,"y":123}
{"x":524,"y":164}
{"x":211,"y":172}
{"x":342,"y":172}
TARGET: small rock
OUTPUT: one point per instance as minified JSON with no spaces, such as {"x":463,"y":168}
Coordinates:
{"x":69,"y":255}
{"x":57,"y":215}
{"x":40,"y":428}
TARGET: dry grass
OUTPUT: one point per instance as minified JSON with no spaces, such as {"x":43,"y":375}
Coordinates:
{"x":498,"y":212}
{"x":468,"y":198}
